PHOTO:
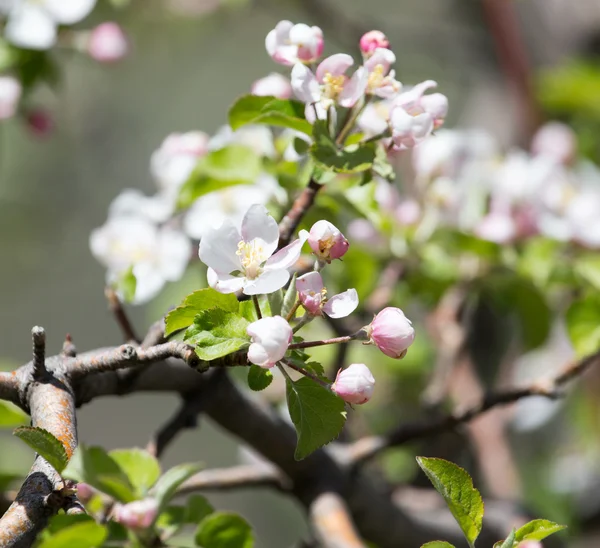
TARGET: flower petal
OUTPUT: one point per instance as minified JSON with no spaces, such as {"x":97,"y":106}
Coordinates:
{"x":311,"y":282}
{"x":224,"y":283}
{"x":383,"y":57}
{"x":258,"y":224}
{"x":67,"y":12}
{"x":335,"y":65}
{"x":30,"y":26}
{"x":305,"y":84}
{"x":267,"y":282}
{"x":286,"y":257}
{"x":218,"y":248}
{"x":354,"y":88}
{"x":341,"y":305}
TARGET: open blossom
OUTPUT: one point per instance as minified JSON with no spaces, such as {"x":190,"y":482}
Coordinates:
{"x":157,"y":255}
{"x":33,"y":24}
{"x":139,"y":514}
{"x":270,"y":340}
{"x":556,"y":141}
{"x":327,"y":242}
{"x":274,"y":85}
{"x":107,"y":43}
{"x":288,"y":44}
{"x":329,"y":85}
{"x":313,"y":296}
{"x":354,"y":384}
{"x":133,"y":202}
{"x":392,"y":332}
{"x":10,"y":94}
{"x":372,"y":40}
{"x":245,"y":261}
{"x":381,"y":80}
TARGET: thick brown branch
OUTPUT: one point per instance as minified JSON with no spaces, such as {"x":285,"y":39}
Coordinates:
{"x":369,"y":447}
{"x":332,"y":524}
{"x":301,"y":205}
{"x":9,"y":386}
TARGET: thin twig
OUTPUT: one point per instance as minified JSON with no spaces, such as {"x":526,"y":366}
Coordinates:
{"x":335,"y":340}
{"x":294,"y":216}
{"x":116,"y":307}
{"x":256,"y":307}
{"x":39,"y":351}
{"x":306,"y":373}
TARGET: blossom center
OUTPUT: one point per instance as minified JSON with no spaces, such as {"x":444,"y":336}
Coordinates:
{"x":252,"y":255}
{"x":333,"y":85}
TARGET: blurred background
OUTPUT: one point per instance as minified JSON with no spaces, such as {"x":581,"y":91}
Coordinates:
{"x":504,"y":66}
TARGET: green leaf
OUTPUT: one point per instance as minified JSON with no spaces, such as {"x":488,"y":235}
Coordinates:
{"x":95,"y":466}
{"x":171,"y":520}
{"x":275,"y":302}
{"x":381,"y":164}
{"x":224,"y":530}
{"x":88,"y":534}
{"x":289,"y":299}
{"x":538,"y":529}
{"x":438,"y":544}
{"x":11,"y":415}
{"x":203,"y":299}
{"x":228,"y":166}
{"x":456,"y":487}
{"x":197,"y":509}
{"x":350,"y":159}
{"x":139,"y":466}
{"x":251,"y":109}
{"x":583,"y":325}
{"x":126,"y":284}
{"x":508,"y":542}
{"x":317,"y":413}
{"x":588,"y":267}
{"x":259,"y":378}
{"x":216,"y":333}
{"x":45,"y":445}
{"x":169,"y":482}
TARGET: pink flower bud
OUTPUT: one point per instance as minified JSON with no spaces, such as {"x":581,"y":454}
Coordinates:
{"x":107,"y":43}
{"x":39,"y":122}
{"x":327,"y":242}
{"x":372,"y":40}
{"x":313,"y":296}
{"x":556,"y":141}
{"x":289,"y":44}
{"x":10,"y":94}
{"x":275,"y":84}
{"x":139,"y":514}
{"x":270,"y":340}
{"x":530,"y":544}
{"x":354,"y":384}
{"x":392,"y":332}
{"x":85,"y":492}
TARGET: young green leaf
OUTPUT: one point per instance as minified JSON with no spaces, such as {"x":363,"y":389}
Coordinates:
{"x":139,"y":466}
{"x":203,"y":299}
{"x":45,"y":445}
{"x":275,"y":302}
{"x":127,"y":284}
{"x":438,"y":544}
{"x":216,"y":333}
{"x":317,"y":413}
{"x":456,"y":487}
{"x":583,"y":325}
{"x":509,"y":542}
{"x":259,"y":378}
{"x":93,"y":465}
{"x":289,"y":299}
{"x":224,"y":530}
{"x":11,"y":415}
{"x":87,"y":534}
{"x":169,"y":482}
{"x":538,"y":529}
{"x":170,"y":520}
{"x":197,"y":508}
{"x":252,"y":109}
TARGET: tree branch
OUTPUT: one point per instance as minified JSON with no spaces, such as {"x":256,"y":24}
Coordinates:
{"x":332,"y":523}
{"x":116,"y":307}
{"x":9,"y":387}
{"x":294,"y":216}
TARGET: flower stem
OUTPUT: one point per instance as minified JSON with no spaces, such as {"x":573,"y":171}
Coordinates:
{"x":350,"y":120}
{"x":305,"y":373}
{"x":301,"y":323}
{"x":256,"y":306}
{"x":336,"y":340}
{"x":292,"y":312}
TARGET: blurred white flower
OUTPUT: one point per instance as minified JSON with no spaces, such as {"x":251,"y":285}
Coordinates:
{"x":274,"y":85}
{"x":133,"y":202}
{"x":10,"y":94}
{"x":258,"y":138}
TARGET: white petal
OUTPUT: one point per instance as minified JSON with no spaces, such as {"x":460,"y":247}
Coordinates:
{"x":305,"y":84}
{"x":310,"y":283}
{"x":224,"y":283}
{"x":286,"y":257}
{"x":174,"y":252}
{"x":67,"y":12}
{"x":149,"y":282}
{"x":354,"y":89}
{"x":258,"y":223}
{"x":218,"y":248}
{"x":30,"y":26}
{"x":268,"y":282}
{"x":342,"y":305}
{"x":258,"y":355}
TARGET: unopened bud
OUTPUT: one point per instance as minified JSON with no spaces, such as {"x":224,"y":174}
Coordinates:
{"x":270,"y":340}
{"x":327,"y":242}
{"x":392,"y":332}
{"x":107,"y":43}
{"x":372,"y":40}
{"x":139,"y":514}
{"x":354,"y":384}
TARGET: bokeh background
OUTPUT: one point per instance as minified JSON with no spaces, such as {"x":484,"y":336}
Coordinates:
{"x":190,"y":59}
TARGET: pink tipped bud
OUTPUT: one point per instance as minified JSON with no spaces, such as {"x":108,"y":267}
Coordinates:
{"x":39,"y":122}
{"x":107,"y":43}
{"x":530,"y":544}
{"x":556,"y":141}
{"x":354,"y":384}
{"x":270,"y":340}
{"x":10,"y":94}
{"x":392,"y":332}
{"x":372,"y":40}
{"x":139,"y":514}
{"x":85,"y":492}
{"x":274,"y":84}
{"x":327,"y":242}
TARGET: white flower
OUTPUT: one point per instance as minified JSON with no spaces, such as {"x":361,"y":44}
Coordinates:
{"x":33,"y":24}
{"x":270,"y":340}
{"x":312,"y":295}
{"x":246,"y":261}
{"x":10,"y":93}
{"x":156,"y":255}
{"x":274,"y":85}
{"x":288,"y":43}
{"x":258,"y":138}
{"x":133,"y":202}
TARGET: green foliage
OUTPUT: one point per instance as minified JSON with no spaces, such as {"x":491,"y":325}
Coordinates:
{"x":275,"y":300}
{"x":93,"y":465}
{"x":79,"y":531}
{"x":289,"y":299}
{"x":538,"y":259}
{"x":588,"y":267}
{"x":350,"y":159}
{"x":224,"y":530}
{"x":216,"y":333}
{"x":126,"y":284}
{"x":508,"y":543}
{"x":583,"y":325}
{"x":197,"y":508}
{"x":538,"y":529}
{"x":44,"y":444}
{"x":199,"y":301}
{"x":169,"y":482}
{"x":140,"y":467}
{"x":438,"y":544}
{"x":251,"y":109}
{"x":259,"y":378}
{"x":229,"y":166}
{"x":317,"y":413}
{"x":456,"y":487}
{"x":11,"y":415}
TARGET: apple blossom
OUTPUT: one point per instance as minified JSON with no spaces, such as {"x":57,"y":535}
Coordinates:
{"x":375,"y":117}
{"x":10,"y":94}
{"x":245,"y":261}
{"x":354,"y":384}
{"x":329,"y":85}
{"x":288,"y":44}
{"x":392,"y":332}
{"x":139,"y":514}
{"x":107,"y":43}
{"x":327,"y":242}
{"x":408,"y":212}
{"x":33,"y":24}
{"x":530,"y":544}
{"x":274,"y":85}
{"x":256,"y":137}
{"x":271,"y":337}
{"x":381,"y":81}
{"x":133,"y":202}
{"x":313,"y":296}
{"x":497,"y":227}
{"x":556,"y":141}
{"x":372,"y":40}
